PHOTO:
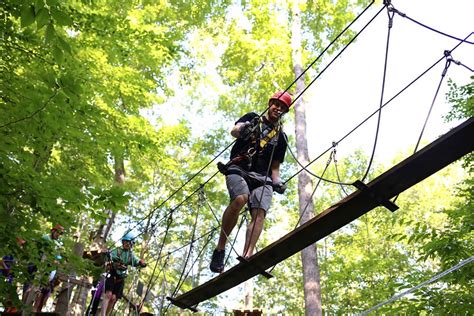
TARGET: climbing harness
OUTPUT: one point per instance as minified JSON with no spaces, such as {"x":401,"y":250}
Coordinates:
{"x":261,"y":137}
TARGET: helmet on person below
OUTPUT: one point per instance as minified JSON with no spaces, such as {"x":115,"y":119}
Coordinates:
{"x":282,"y":96}
{"x":128,"y":237}
{"x":58,"y":228}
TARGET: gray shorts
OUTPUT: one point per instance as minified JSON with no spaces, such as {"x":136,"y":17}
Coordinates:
{"x":260,"y":197}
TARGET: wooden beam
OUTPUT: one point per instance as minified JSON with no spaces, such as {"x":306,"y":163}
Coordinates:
{"x":437,"y":155}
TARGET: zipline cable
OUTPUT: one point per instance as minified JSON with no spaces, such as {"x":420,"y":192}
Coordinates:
{"x":177,"y":288}
{"x":436,"y":277}
{"x":390,"y":14}
{"x":403,"y":15}
{"x":337,"y":172}
{"x":340,"y":52}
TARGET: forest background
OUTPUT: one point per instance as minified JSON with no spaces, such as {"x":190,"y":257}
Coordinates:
{"x":112,"y":107}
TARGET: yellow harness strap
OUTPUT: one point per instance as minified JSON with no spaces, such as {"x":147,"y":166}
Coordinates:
{"x":267,"y":138}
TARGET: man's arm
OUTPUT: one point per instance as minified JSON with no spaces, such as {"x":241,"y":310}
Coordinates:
{"x":113,"y":255}
{"x":235,"y":132}
{"x":275,"y":171}
{"x":138,"y":262}
{"x":278,"y":185}
{"x":245,"y":126}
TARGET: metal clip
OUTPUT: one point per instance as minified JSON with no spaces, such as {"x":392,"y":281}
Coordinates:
{"x":251,"y":152}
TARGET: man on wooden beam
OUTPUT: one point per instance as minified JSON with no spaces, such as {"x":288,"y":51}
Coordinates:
{"x":253,"y":173}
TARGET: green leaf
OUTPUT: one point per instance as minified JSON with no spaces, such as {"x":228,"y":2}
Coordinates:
{"x":50,"y":33}
{"x":64,"y":45}
{"x":58,"y":54}
{"x":42,"y":18}
{"x":61,"y":17}
{"x":39,"y":4}
{"x":27,"y":16}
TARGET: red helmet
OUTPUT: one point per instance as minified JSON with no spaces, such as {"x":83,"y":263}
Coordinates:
{"x":58,"y":228}
{"x":282,"y":96}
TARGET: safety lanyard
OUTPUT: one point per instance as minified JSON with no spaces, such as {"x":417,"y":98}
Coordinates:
{"x":268,"y":137}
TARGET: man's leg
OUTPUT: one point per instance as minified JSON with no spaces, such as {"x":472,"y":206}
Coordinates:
{"x":254,"y":229}
{"x":229,"y":219}
{"x":112,"y":301}
{"x":105,"y":302}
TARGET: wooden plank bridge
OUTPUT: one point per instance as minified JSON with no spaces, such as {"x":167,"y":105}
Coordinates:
{"x":437,"y":155}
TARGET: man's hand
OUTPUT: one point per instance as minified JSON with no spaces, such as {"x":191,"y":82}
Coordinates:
{"x":142,"y":263}
{"x":120,"y":266}
{"x":245,"y":130}
{"x":279,"y":187}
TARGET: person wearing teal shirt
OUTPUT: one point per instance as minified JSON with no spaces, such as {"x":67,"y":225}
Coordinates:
{"x":120,"y":259}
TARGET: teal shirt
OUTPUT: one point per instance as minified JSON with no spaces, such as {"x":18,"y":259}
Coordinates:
{"x":121,"y":258}
{"x":53,"y":246}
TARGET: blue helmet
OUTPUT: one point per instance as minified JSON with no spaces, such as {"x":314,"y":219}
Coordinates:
{"x":128,"y":237}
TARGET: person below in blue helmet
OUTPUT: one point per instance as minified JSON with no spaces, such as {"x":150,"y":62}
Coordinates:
{"x":120,"y":258}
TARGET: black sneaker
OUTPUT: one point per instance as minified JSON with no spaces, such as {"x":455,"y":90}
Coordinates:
{"x":217,"y":262}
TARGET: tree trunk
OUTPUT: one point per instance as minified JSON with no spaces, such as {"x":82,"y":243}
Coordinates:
{"x":103,"y":231}
{"x":63,"y":298}
{"x":248,"y":302}
{"x":309,"y":259}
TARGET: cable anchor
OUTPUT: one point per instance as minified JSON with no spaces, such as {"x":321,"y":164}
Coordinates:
{"x":449,"y":59}
{"x":390,"y":13}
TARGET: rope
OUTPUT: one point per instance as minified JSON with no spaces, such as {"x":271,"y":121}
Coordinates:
{"x":448,"y":63}
{"x":156,"y":262}
{"x":218,"y":222}
{"x":337,"y":56}
{"x":337,"y":171}
{"x":180,"y":188}
{"x":324,"y":51}
{"x":390,"y":14}
{"x":192,"y":266}
{"x":189,"y":253}
{"x":436,"y":277}
{"x":461,"y":64}
{"x":443,"y":74}
{"x":403,"y":15}
{"x":309,"y":200}
{"x":309,"y":171}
